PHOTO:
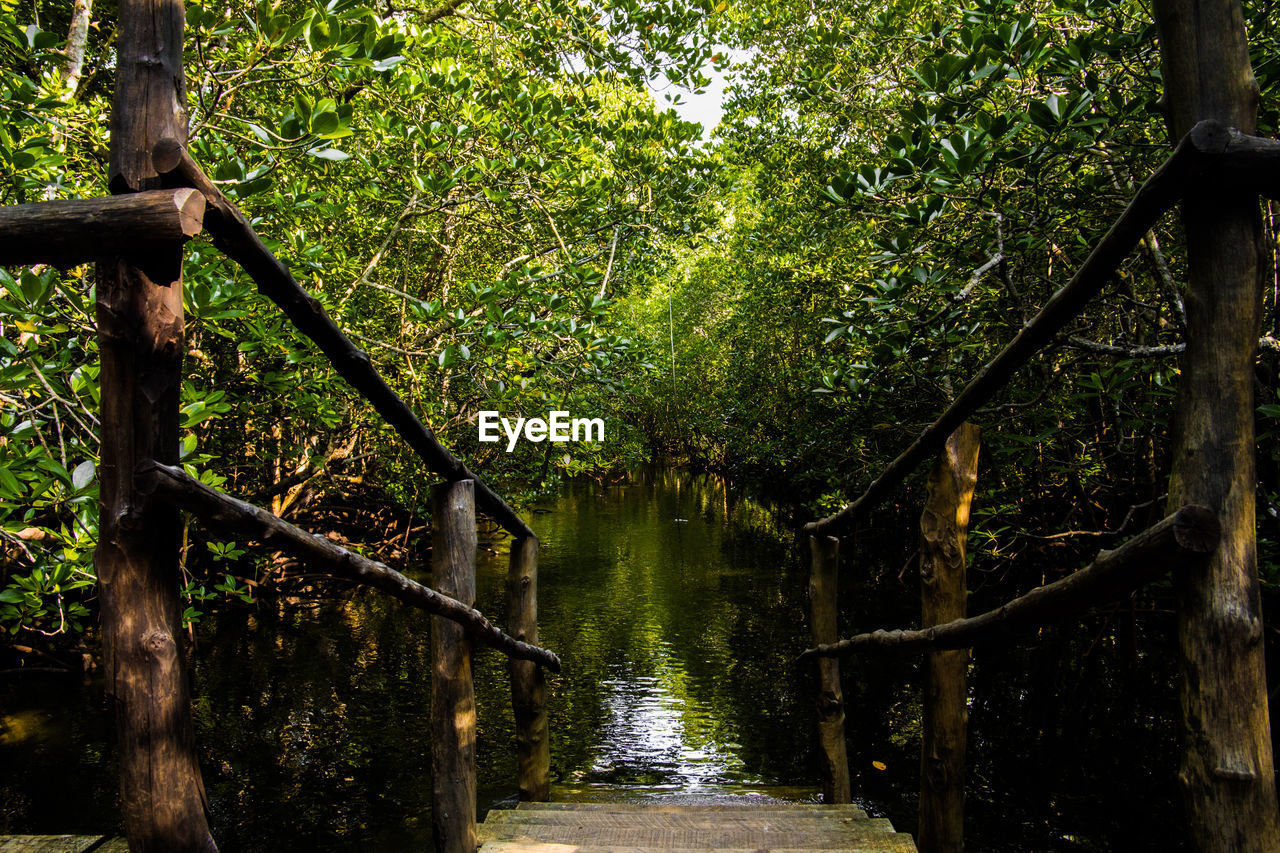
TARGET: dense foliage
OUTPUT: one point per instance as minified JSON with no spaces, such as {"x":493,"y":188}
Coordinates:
{"x":468,"y":190}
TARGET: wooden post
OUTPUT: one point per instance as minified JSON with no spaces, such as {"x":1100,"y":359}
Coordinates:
{"x":1227,"y":774}
{"x":140,"y":338}
{"x":528,"y":690}
{"x":68,"y":233}
{"x":822,"y":604}
{"x":453,"y":699}
{"x":944,"y":525}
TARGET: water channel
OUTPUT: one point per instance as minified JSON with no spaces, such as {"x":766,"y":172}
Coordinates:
{"x":677,"y":607}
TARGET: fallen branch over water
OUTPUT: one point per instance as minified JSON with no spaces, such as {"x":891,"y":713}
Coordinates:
{"x":1179,"y":541}
{"x":244,"y":520}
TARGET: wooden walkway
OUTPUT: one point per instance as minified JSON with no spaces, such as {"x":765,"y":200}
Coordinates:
{"x":655,"y":828}
{"x":624,"y":828}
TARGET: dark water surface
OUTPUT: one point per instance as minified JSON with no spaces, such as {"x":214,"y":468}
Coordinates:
{"x":677,"y":608}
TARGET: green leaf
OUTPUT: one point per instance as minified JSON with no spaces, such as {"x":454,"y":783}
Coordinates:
{"x":329,"y":154}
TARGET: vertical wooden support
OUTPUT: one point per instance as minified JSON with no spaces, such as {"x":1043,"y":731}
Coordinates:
{"x":822,"y":603}
{"x":528,"y":689}
{"x":453,"y":699}
{"x":140,"y":338}
{"x":944,"y":525}
{"x":1227,"y":774}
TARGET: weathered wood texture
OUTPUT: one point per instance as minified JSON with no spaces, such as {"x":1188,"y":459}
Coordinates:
{"x":823,"y":581}
{"x":635,"y":828}
{"x":453,"y":699}
{"x":1226,"y":771}
{"x":1179,"y":543}
{"x":235,"y":236}
{"x":528,"y":688}
{"x":944,"y":526}
{"x":65,"y":234}
{"x":1199,"y":161}
{"x":140,"y":339}
{"x":62,"y":844}
{"x":225,"y":513}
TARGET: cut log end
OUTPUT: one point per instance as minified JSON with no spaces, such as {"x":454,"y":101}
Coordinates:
{"x":1196,"y":528}
{"x":166,"y":157}
{"x":1211,"y":136}
{"x":190,"y":204}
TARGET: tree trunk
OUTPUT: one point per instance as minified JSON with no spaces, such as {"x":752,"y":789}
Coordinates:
{"x":1226,"y":773}
{"x":822,"y":603}
{"x":944,"y":526}
{"x":77,"y":39}
{"x":528,"y":689}
{"x":453,"y":699}
{"x":140,"y":337}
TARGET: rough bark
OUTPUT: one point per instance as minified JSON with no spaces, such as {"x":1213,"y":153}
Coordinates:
{"x":137,"y":227}
{"x":245,"y":521}
{"x":1226,"y":772}
{"x":944,"y":525}
{"x":528,"y":689}
{"x":822,"y":622}
{"x":77,"y":40}
{"x":1178,"y":544}
{"x":234,"y":235}
{"x":453,"y":701}
{"x":140,"y":337}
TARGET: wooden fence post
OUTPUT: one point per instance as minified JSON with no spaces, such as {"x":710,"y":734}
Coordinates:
{"x":528,"y":689}
{"x":1227,"y":772}
{"x":822,"y":604}
{"x":141,"y":342}
{"x":453,"y":700}
{"x":944,"y":525}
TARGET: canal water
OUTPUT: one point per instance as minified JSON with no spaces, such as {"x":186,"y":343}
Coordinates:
{"x":677,"y":608}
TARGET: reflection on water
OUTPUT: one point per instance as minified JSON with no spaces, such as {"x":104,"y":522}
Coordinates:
{"x":654,"y":737}
{"x":677,"y":609}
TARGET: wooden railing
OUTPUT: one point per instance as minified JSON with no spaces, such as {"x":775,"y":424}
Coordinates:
{"x":161,"y":200}
{"x":1211,"y":155}
{"x":455,"y":624}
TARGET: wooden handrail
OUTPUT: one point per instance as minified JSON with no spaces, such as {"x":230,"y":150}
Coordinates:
{"x":234,"y":235}
{"x":1210,"y":150}
{"x":1183,"y":538}
{"x":224,"y":512}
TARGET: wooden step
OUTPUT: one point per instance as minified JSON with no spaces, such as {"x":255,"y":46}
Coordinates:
{"x":655,"y":828}
{"x":886,"y":843}
{"x":739,"y":818}
{"x":699,"y":808}
{"x":62,"y":844}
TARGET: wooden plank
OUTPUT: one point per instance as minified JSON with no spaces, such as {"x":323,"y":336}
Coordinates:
{"x":453,"y":698}
{"x":782,"y":835}
{"x":47,"y":843}
{"x":512,"y":818}
{"x":694,"y":808}
{"x":897,"y":843}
